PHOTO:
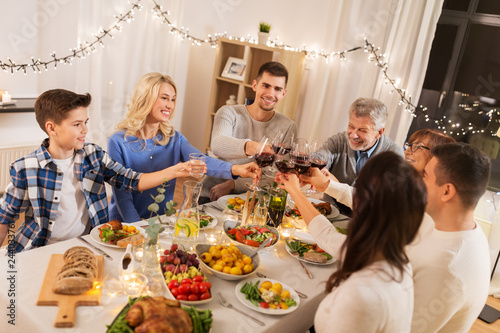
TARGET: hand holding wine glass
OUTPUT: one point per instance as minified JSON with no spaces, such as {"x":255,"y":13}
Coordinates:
{"x":319,"y":158}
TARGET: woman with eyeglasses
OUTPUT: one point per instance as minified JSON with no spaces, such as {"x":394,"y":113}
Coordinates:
{"x":419,"y":145}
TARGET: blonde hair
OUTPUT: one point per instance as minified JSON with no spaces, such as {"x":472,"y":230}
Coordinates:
{"x":141,"y":103}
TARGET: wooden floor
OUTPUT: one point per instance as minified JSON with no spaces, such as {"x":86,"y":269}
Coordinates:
{"x":482,"y":327}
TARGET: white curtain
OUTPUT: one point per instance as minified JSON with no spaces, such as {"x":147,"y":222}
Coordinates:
{"x":404,"y":31}
{"x":109,"y":75}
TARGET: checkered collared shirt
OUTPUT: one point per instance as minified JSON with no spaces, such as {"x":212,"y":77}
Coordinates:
{"x":35,"y":189}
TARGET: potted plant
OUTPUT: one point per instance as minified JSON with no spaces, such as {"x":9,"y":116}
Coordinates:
{"x":264,"y":29}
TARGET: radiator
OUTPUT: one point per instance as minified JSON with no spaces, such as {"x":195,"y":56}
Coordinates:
{"x":7,"y":156}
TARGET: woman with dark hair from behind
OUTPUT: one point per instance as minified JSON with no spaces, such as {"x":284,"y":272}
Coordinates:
{"x":372,"y":291}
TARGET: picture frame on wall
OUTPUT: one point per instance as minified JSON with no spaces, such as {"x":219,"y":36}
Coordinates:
{"x":234,"y":69}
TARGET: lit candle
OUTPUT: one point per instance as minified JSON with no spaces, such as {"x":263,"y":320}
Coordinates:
{"x":6,"y":97}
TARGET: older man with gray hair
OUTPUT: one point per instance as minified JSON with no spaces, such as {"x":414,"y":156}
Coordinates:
{"x":349,"y":151}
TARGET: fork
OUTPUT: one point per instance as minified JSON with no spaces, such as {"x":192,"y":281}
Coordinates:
{"x":226,"y":304}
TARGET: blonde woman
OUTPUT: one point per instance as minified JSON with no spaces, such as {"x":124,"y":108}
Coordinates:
{"x":147,"y":142}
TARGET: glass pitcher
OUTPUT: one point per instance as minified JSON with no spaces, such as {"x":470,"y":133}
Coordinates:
{"x":187,"y":224}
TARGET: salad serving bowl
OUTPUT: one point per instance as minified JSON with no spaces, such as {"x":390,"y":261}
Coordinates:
{"x":251,"y":236}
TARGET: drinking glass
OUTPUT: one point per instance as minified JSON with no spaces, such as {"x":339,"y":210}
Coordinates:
{"x":197,"y":161}
{"x":300,"y":155}
{"x":318,"y":159}
{"x":263,"y":158}
{"x":260,"y":210}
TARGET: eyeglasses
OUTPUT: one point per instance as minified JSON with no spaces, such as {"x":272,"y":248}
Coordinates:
{"x":414,"y":147}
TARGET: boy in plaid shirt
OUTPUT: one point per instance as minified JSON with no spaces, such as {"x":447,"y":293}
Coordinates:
{"x":60,"y":186}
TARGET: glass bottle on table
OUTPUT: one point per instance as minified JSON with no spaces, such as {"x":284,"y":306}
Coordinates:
{"x":277,"y":204}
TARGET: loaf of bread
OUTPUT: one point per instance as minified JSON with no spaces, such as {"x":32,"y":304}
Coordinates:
{"x":79,"y":272}
{"x":135,"y":240}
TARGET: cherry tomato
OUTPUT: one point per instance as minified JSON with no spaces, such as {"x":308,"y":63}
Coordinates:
{"x":318,"y":249}
{"x":173,"y":284}
{"x":205,"y":295}
{"x":182,"y":297}
{"x":262,"y":230}
{"x":231,"y":231}
{"x":251,"y":242}
{"x":193,"y":298}
{"x":194,"y":289}
{"x":239,"y":236}
{"x":175,"y":292}
{"x":198,"y":278}
{"x":184,"y":289}
{"x":203,"y":288}
{"x":187,"y":281}
{"x":264,"y":305}
{"x":245,"y":231}
{"x":163,"y":259}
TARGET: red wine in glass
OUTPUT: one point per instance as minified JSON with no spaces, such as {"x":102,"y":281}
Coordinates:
{"x":264,"y":159}
{"x":302,"y":167}
{"x":284,"y":166}
{"x":317,"y":163}
{"x":286,"y":148}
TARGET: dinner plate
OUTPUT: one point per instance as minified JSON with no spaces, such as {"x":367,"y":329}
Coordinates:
{"x":94,"y":235}
{"x":222,"y":201}
{"x":241,"y":297}
{"x":335,"y":212}
{"x":328,"y":262}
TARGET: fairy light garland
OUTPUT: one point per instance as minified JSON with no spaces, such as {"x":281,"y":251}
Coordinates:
{"x":84,"y":49}
{"x":79,"y":52}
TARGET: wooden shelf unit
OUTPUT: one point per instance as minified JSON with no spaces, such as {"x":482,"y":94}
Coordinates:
{"x":255,"y":55}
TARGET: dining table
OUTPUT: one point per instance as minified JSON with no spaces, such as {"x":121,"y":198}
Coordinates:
{"x":22,"y":275}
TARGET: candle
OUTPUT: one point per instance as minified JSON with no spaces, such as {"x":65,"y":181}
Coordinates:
{"x":133,"y":283}
{"x":6,"y":97}
{"x":212,"y":237}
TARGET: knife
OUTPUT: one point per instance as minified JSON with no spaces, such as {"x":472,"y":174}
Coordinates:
{"x":301,"y":295}
{"x":96,"y":248}
{"x":304,"y":267}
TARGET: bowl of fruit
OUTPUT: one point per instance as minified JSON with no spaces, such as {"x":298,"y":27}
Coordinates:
{"x":232,"y":262}
{"x":183,"y":277}
{"x":251,"y":235}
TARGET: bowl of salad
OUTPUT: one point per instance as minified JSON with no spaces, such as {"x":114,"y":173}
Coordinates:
{"x":250,"y":235}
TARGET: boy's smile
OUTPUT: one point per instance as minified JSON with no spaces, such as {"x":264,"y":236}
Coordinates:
{"x":69,"y":134}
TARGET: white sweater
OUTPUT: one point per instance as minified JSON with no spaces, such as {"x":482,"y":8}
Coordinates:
{"x":375,"y":299}
{"x":451,"y":272}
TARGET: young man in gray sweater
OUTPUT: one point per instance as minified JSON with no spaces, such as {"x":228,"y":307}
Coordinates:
{"x":238,"y":129}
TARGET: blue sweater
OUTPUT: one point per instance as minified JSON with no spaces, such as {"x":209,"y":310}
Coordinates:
{"x":132,"y":206}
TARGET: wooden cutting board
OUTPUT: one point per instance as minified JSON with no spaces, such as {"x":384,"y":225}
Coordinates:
{"x":67,"y":303}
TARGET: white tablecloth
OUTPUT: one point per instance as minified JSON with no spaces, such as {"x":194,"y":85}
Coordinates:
{"x":27,"y":271}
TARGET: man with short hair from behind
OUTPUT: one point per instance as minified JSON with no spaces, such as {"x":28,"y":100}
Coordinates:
{"x":450,"y":256}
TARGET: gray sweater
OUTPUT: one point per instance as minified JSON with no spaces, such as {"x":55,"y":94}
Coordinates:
{"x":342,"y":158}
{"x":233,"y":127}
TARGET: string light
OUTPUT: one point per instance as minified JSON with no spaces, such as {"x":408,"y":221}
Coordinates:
{"x":79,"y":52}
{"x":183,"y":33}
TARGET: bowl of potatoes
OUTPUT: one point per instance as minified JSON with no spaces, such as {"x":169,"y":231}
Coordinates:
{"x":228,"y":262}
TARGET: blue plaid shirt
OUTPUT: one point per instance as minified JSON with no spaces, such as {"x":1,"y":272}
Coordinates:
{"x":35,"y":189}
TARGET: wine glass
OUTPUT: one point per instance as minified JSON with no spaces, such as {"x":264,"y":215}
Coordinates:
{"x":263,"y":158}
{"x":279,"y":142}
{"x":300,"y":155}
{"x":282,"y":163}
{"x":318,"y":159}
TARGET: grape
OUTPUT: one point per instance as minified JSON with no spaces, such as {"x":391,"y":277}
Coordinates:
{"x":166,"y":252}
{"x":183,"y":268}
{"x":192,"y":257}
{"x":189,"y":263}
{"x":169,"y":268}
{"x":170,"y":258}
{"x":177,"y":261}
{"x":174,"y":247}
{"x":180,"y":253}
{"x":196,"y":263}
